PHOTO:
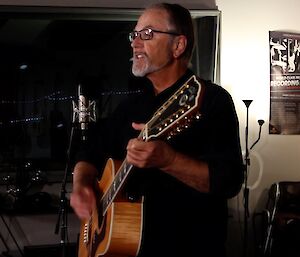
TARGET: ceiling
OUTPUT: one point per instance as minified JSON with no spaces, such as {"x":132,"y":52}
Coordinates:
{"x":196,"y":4}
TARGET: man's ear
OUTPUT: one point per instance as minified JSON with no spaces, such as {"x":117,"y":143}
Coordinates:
{"x":180,"y":43}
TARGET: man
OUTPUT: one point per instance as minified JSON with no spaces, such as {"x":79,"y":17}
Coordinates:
{"x":187,"y":180}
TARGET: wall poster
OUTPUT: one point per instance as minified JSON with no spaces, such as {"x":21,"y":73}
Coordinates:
{"x":284,"y":83}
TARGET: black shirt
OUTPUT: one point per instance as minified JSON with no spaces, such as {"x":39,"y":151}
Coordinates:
{"x":179,"y":220}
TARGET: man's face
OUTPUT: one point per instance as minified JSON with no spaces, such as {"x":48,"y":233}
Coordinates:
{"x":150,"y":56}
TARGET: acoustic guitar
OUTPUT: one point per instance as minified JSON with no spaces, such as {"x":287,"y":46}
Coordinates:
{"x":115,"y":227}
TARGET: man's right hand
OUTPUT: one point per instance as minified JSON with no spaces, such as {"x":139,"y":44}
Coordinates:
{"x":83,"y":196}
{"x":83,"y":201}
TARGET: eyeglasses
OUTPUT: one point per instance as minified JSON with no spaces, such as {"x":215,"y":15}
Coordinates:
{"x":147,"y":34}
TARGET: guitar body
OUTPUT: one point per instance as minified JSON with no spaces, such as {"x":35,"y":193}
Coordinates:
{"x":118,"y":233}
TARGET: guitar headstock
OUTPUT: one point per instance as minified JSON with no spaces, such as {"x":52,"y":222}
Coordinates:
{"x":177,"y":113}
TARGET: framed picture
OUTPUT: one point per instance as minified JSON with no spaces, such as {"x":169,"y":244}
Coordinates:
{"x":284,"y":83}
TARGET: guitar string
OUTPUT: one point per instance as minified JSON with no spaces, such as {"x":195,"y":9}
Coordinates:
{"x":114,"y":187}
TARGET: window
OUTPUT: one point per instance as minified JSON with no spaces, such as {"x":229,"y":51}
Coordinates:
{"x":47,"y":52}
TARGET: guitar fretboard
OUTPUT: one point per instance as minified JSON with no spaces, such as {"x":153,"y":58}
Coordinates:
{"x":114,"y":188}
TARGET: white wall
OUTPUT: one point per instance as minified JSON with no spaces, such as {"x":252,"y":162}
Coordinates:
{"x":245,"y":74}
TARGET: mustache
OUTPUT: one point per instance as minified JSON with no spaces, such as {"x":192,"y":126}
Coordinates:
{"x":136,"y":54}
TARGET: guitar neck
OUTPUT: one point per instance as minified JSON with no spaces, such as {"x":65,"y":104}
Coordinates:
{"x":115,"y":186}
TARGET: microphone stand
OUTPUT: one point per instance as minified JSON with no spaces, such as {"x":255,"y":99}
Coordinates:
{"x":62,"y":221}
{"x":82,"y":112}
{"x":246,"y":189}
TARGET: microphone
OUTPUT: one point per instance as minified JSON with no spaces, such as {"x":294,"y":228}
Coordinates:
{"x":84,"y":112}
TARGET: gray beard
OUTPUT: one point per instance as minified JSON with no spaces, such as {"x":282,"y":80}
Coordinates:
{"x":140,"y":72}
{"x":144,"y":70}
